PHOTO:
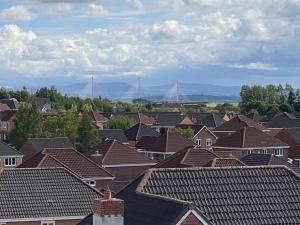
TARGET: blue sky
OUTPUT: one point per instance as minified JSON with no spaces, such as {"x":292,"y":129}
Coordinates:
{"x":225,"y":42}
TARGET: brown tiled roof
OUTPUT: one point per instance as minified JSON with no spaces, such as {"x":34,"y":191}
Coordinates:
{"x":70,"y":159}
{"x":238,"y":123}
{"x":226,"y":162}
{"x":188,"y":157}
{"x":112,"y":152}
{"x":98,"y":117}
{"x":7,"y":115}
{"x":168,"y":142}
{"x":138,"y":117}
{"x":249,"y":137}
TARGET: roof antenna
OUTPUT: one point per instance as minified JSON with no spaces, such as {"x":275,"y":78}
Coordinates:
{"x":92,"y":80}
{"x":177,"y":91}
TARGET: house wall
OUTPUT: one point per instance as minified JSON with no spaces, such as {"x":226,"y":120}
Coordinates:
{"x":57,"y":222}
{"x":203,"y":135}
{"x":191,"y":219}
{"x":239,"y":153}
{"x":2,"y":162}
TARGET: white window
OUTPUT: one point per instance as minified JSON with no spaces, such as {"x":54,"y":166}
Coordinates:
{"x":250,"y":152}
{"x":92,"y":183}
{"x":3,"y":125}
{"x":265,"y":151}
{"x":48,"y":223}
{"x":198,"y":142}
{"x":10,"y":161}
{"x":279,"y":152}
{"x":4,"y":137}
{"x":208,"y":142}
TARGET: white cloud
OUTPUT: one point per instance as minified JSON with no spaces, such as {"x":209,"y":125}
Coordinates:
{"x":256,"y":66}
{"x":96,"y":10}
{"x":17,"y":12}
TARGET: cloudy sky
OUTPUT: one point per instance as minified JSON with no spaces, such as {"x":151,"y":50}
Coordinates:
{"x":225,"y":42}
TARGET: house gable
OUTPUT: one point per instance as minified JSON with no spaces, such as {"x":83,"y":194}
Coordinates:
{"x":192,"y":218}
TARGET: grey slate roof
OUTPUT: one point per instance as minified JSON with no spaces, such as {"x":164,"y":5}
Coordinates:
{"x":295,"y":132}
{"x":168,"y":120}
{"x":210,"y":120}
{"x":231,"y":196}
{"x":59,"y":142}
{"x":139,"y":130}
{"x":267,"y":159}
{"x":113,"y":134}
{"x":34,"y":193}
{"x":12,"y":103}
{"x":283,"y":120}
{"x":6,"y":150}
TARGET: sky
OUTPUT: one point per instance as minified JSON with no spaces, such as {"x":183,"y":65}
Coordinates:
{"x":224,"y":42}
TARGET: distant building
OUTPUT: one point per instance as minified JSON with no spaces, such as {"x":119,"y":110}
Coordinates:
{"x":9,"y":157}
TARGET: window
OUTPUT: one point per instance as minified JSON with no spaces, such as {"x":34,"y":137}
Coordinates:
{"x":208,"y":142}
{"x":279,"y":152}
{"x":3,"y":125}
{"x":4,"y":137}
{"x":47,"y":223}
{"x":10,"y":161}
{"x":250,"y":152}
{"x":198,"y":142}
{"x":92,"y":183}
{"x":265,"y":151}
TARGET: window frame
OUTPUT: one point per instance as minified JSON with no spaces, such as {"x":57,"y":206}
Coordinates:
{"x":278,"y":150}
{"x":210,"y":142}
{"x":48,"y":222}
{"x":89,"y":182}
{"x":198,"y":141}
{"x":8,"y":161}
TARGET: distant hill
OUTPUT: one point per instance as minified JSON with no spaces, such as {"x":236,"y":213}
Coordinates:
{"x":125,"y":91}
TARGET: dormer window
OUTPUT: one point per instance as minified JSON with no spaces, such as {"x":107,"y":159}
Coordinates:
{"x":279,"y":152}
{"x":10,"y":161}
{"x":198,"y":142}
{"x":208,"y":142}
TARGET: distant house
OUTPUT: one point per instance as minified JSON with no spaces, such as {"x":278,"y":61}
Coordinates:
{"x":44,"y":106}
{"x":219,"y":196}
{"x":73,"y":161}
{"x":99,"y":121}
{"x":250,"y":140}
{"x":137,"y":117}
{"x":205,"y":138}
{"x":136,"y":132}
{"x":9,"y":104}
{"x":6,"y":123}
{"x":159,"y":148}
{"x":210,"y":120}
{"x":283,"y":120}
{"x":9,"y":157}
{"x":197,"y":157}
{"x":268,"y":160}
{"x":36,"y":145}
{"x":170,"y":121}
{"x":124,"y":162}
{"x":235,"y":124}
{"x":113,"y":134}
{"x":51,"y":196}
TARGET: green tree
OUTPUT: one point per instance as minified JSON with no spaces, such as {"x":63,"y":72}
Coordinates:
{"x":285,"y":107}
{"x":188,"y":133}
{"x":119,"y":122}
{"x":27,"y":124}
{"x":87,"y":133}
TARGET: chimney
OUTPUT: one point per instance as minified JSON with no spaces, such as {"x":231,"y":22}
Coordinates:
{"x":108,"y":210}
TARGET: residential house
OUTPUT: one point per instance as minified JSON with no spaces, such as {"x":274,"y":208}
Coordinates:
{"x":235,"y":124}
{"x":36,"y":145}
{"x":136,"y":132}
{"x":75,"y":162}
{"x":44,"y":106}
{"x":210,"y":120}
{"x":9,"y":104}
{"x":250,"y":140}
{"x":159,"y":148}
{"x":166,"y":121}
{"x":113,"y":134}
{"x":99,"y":121}
{"x":268,"y":160}
{"x":51,"y":196}
{"x":138,"y":117}
{"x":9,"y":157}
{"x":6,"y":123}
{"x":124,"y":162}
{"x":283,"y":120}
{"x":205,"y":138}
{"x":220,"y":196}
{"x":197,"y":157}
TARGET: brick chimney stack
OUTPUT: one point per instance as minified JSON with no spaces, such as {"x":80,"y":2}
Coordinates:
{"x":108,"y":210}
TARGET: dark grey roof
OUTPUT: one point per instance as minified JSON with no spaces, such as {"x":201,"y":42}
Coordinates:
{"x":41,"y":102}
{"x":36,"y":193}
{"x":88,"y":220}
{"x":139,"y":130}
{"x":147,"y":210}
{"x":59,"y":142}
{"x":12,"y":103}
{"x":231,"y":196}
{"x":113,"y":134}
{"x":210,"y":120}
{"x":168,"y":120}
{"x":295,"y":133}
{"x":283,"y":120}
{"x":6,"y":150}
{"x":267,"y":159}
